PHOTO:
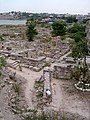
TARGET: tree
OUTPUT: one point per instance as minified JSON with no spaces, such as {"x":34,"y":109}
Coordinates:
{"x":71,"y":19}
{"x":77,"y":32}
{"x":85,"y":20}
{"x":77,"y":37}
{"x":80,"y":49}
{"x":76,"y":28}
{"x":31,"y":31}
{"x":59,"y":28}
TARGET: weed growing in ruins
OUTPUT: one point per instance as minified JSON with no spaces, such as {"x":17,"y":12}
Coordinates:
{"x":46,"y":116}
{"x":39,"y":88}
{"x":2,"y":61}
{"x":1,"y":38}
{"x":16,"y":87}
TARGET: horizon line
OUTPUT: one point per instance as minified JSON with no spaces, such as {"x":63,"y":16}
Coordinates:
{"x":45,"y":12}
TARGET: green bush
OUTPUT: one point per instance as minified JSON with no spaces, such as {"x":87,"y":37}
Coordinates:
{"x":46,"y":116}
{"x":59,"y":28}
{"x":1,"y":38}
{"x":2,"y":62}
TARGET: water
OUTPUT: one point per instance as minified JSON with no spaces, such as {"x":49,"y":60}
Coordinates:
{"x":12,"y":22}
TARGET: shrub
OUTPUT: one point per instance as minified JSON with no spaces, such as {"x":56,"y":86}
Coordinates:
{"x":16,"y":87}
{"x":1,"y":38}
{"x":46,"y":116}
{"x":2,"y":62}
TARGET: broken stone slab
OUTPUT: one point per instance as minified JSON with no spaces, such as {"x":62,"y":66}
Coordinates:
{"x":39,"y":79}
{"x":12,"y":76}
{"x":36,"y":69}
{"x":69,"y":60}
{"x":12,"y":100}
{"x":24,"y":65}
{"x":12,"y":58}
{"x":35,"y":60}
{"x":31,"y":67}
{"x":9,"y":82}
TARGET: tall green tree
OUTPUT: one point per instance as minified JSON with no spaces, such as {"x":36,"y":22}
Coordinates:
{"x":31,"y":31}
{"x":80,"y":51}
{"x":59,"y":28}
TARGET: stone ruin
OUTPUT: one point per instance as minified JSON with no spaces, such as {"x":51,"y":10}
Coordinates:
{"x":33,"y":55}
{"x":27,"y":57}
{"x":47,"y":79}
{"x":62,"y":69}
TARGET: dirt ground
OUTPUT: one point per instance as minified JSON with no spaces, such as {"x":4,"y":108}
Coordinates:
{"x":5,"y":111}
{"x":30,"y":76}
{"x":65,"y":97}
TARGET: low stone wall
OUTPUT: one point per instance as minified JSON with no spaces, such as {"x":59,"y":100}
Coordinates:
{"x":82,"y":87}
{"x":69,"y":60}
{"x":35,"y":64}
{"x":62,"y":70}
{"x":47,"y":79}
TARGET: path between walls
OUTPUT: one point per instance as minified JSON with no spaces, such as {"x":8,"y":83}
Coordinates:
{"x":30,"y":76}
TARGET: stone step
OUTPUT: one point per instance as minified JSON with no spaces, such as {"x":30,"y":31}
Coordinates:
{"x":14,"y":64}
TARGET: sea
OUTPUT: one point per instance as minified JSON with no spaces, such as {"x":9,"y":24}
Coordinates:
{"x":12,"y":22}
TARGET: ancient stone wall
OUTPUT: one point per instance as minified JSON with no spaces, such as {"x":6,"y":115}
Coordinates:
{"x":47,"y":79}
{"x":62,"y":70}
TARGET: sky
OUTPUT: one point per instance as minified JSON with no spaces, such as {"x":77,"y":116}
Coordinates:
{"x":46,"y":6}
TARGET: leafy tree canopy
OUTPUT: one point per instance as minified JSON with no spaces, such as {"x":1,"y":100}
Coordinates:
{"x":77,"y":32}
{"x":80,"y":49}
{"x":78,"y":36}
{"x":85,"y":20}
{"x":71,"y":19}
{"x":31,"y":31}
{"x":59,"y":28}
{"x":77,"y":28}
